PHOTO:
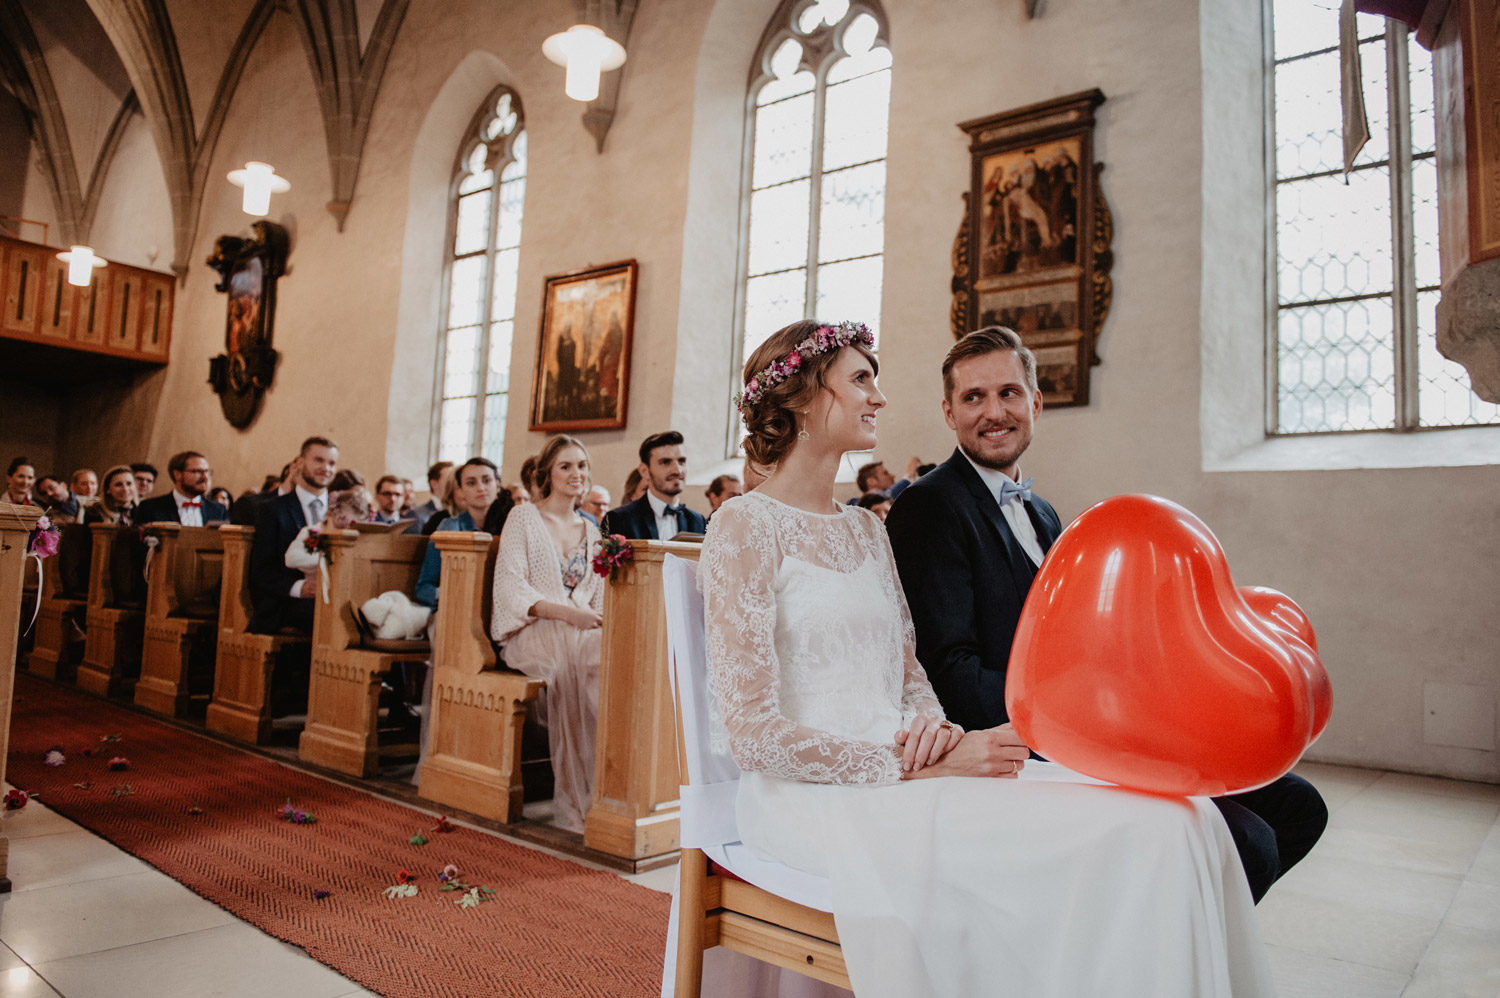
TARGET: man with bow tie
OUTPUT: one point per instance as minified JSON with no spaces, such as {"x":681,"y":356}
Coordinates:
{"x":659,"y":514}
{"x":969,"y":537}
{"x":186,"y":503}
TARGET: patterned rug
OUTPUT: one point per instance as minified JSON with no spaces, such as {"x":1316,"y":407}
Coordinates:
{"x":207,"y":815}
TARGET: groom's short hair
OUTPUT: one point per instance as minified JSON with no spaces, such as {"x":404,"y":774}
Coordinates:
{"x":989,"y":339}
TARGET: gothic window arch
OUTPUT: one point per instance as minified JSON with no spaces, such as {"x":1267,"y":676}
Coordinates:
{"x":479,"y":289}
{"x":814,"y":175}
{"x":1354,"y":268}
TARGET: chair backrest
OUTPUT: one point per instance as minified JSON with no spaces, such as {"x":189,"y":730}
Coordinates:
{"x":710,"y":778}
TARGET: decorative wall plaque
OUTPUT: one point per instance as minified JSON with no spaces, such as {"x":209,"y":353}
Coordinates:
{"x":248,"y":269}
{"x":1033,"y":250}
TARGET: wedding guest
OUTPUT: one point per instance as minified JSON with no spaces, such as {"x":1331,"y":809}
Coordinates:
{"x":247,"y":506}
{"x":659,"y":514}
{"x":346,"y":479}
{"x":547,"y":614}
{"x":85,"y":483}
{"x":437,"y":479}
{"x":876,"y":502}
{"x":596,"y":503}
{"x":145,"y":479}
{"x":409,"y":495}
{"x":345,"y":509}
{"x":721,"y":488}
{"x":278,"y":597}
{"x":635,"y":486}
{"x":874,"y":477}
{"x":20,"y":476}
{"x":222,"y":496}
{"x":474,"y":484}
{"x":448,"y":504}
{"x":117,"y":502}
{"x":61,"y":504}
{"x":528,"y":477}
{"x":186,"y":503}
{"x":389,"y":495}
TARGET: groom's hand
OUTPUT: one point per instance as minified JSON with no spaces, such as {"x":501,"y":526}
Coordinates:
{"x":993,"y":752}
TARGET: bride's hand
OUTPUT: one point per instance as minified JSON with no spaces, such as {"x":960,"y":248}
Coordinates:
{"x":993,"y":752}
{"x":926,"y":741}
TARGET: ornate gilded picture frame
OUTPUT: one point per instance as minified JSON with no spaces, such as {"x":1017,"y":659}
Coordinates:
{"x":1033,"y":252}
{"x":583,"y":353}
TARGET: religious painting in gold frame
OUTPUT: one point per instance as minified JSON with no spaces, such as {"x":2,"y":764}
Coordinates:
{"x":1033,"y":252}
{"x":583,"y":353}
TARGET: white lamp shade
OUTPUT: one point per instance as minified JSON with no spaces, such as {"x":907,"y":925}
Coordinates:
{"x":81,"y":262}
{"x":259,"y":181}
{"x":584,"y":51}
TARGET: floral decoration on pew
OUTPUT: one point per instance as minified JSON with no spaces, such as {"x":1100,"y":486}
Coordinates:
{"x":471,"y":896}
{"x":614,"y":551}
{"x":296,"y":816}
{"x":43,"y":539}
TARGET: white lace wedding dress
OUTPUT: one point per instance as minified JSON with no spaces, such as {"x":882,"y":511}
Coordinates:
{"x":1051,"y":885}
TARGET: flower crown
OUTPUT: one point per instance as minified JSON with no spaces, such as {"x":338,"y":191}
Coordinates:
{"x":822,"y":340}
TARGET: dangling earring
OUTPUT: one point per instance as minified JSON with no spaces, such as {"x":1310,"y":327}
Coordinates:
{"x":802,"y":434}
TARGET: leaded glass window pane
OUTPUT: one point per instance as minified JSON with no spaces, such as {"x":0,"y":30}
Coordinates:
{"x":853,"y":216}
{"x":778,"y":227}
{"x":783,"y":141}
{"x":472,"y":228}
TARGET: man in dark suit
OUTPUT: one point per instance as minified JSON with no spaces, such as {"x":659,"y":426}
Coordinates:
{"x":186,"y":503}
{"x":659,"y":514}
{"x":281,"y":597}
{"x":969,"y":537}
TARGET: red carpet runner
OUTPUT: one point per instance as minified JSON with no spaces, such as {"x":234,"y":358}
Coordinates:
{"x":205,"y":814}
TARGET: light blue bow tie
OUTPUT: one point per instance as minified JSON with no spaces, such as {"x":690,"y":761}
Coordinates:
{"x":1010,"y":490}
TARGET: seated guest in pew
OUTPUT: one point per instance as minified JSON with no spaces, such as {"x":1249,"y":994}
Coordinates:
{"x":498,"y":513}
{"x":635,"y":486}
{"x":117,"y":503}
{"x":389,"y":494}
{"x":20,"y":476}
{"x":279,"y":597}
{"x":659,"y":514}
{"x":876,"y":502}
{"x":448,"y":503}
{"x":476,"y":482}
{"x":408,"y":498}
{"x":595,"y":504}
{"x":85,"y":484}
{"x":547,"y":606}
{"x":186,"y":503}
{"x":145,"y":479}
{"x":722,"y":488}
{"x":61,"y":504}
{"x":438,"y":477}
{"x":247,"y":506}
{"x":346,"y":479}
{"x":223,"y":497}
{"x":345,"y":509}
{"x":1001,"y":882}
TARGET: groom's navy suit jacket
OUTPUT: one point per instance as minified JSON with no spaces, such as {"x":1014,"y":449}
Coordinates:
{"x":277,"y":523}
{"x":638,"y":520}
{"x":966,"y":578}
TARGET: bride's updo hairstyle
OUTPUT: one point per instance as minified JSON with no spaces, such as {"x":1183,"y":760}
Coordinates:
{"x":770,"y":410}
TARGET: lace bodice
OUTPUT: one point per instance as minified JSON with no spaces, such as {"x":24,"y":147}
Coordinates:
{"x":810,"y":643}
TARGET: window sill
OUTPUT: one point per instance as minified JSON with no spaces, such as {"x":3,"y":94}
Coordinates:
{"x":1468,"y":446}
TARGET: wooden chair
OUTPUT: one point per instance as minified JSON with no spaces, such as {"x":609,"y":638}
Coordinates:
{"x":116,"y":617}
{"x":182,"y":610}
{"x":64,"y":611}
{"x":727,"y":896}
{"x":478,"y":707}
{"x":245,"y":662}
{"x":343,"y":696}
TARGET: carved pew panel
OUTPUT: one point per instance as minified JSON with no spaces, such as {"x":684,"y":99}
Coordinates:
{"x":634,"y":813}
{"x":241,"y":704}
{"x":112,"y":649}
{"x":16,"y":523}
{"x":478,"y":710}
{"x":182,"y":598}
{"x":65,"y":592}
{"x":344,"y":692}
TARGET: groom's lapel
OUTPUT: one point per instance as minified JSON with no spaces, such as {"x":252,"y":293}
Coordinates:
{"x":989,"y":511}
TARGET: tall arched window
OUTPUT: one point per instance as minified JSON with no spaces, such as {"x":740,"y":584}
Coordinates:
{"x":815,"y":175}
{"x":480,"y":298}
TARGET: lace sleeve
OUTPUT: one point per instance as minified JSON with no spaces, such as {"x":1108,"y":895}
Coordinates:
{"x":737,"y":573}
{"x":917,"y":696}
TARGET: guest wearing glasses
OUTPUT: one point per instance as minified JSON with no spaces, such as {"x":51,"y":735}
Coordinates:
{"x":186,"y":503}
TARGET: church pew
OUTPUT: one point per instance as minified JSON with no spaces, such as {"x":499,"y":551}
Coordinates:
{"x":16,"y":523}
{"x":65,"y":595}
{"x":634,"y":813}
{"x":344,"y":690}
{"x":244,"y":663}
{"x":478,"y":710}
{"x":182,"y":609}
{"x":116,"y":617}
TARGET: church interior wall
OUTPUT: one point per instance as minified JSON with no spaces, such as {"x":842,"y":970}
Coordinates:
{"x":1397,"y":568}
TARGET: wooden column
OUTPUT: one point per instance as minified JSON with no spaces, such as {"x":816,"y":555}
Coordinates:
{"x":635,"y":812}
{"x":16,"y":523}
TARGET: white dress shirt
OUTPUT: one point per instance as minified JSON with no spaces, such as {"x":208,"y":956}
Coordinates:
{"x":666,"y":519}
{"x":188,"y":516}
{"x":1014,"y":510}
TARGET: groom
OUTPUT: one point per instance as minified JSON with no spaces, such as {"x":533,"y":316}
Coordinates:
{"x":968,"y":539}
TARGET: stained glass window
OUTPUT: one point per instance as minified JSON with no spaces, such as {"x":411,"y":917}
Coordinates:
{"x":819,"y":100}
{"x":489,"y":189}
{"x":1356,"y":263}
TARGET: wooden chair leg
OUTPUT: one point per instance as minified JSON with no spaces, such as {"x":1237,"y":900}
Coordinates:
{"x":692,"y":869}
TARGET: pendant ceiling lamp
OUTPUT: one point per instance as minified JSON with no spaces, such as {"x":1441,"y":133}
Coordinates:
{"x":259,"y":181}
{"x":584,"y":51}
{"x":81,"y":262}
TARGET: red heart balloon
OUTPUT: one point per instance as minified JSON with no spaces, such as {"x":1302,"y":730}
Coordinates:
{"x":1138,"y":662}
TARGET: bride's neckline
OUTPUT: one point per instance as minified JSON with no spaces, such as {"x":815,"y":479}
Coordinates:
{"x":840,"y":511}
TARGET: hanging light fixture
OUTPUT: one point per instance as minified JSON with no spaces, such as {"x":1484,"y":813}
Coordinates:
{"x":81,"y":262}
{"x":259,"y":181}
{"x":584,"y":51}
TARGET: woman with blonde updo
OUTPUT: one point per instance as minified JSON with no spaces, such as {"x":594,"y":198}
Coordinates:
{"x":1044,"y":885}
{"x":547,"y":612}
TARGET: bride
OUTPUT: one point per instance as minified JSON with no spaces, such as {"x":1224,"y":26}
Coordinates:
{"x":949,"y":875}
